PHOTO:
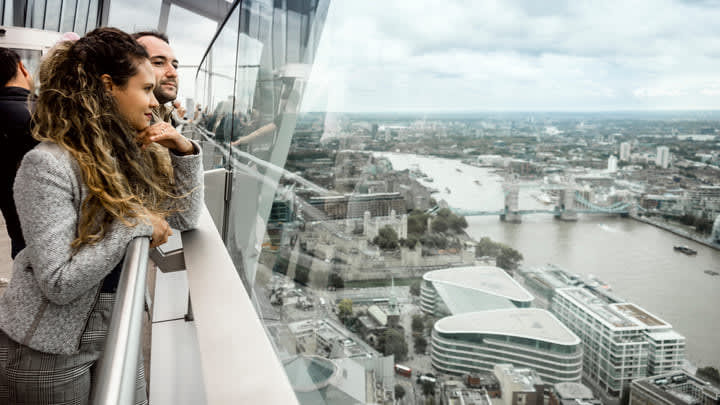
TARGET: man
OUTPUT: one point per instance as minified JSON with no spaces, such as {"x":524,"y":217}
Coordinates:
{"x":165,"y":64}
{"x":16,"y":85}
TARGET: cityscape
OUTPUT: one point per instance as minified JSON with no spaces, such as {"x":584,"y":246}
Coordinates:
{"x":376,"y":261}
{"x":418,"y":202}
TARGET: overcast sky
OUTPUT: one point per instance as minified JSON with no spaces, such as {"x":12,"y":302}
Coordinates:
{"x":430,"y":55}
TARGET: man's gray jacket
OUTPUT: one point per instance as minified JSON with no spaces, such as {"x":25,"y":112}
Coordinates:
{"x":54,"y":287}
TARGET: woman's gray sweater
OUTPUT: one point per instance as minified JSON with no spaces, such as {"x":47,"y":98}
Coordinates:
{"x":54,"y":287}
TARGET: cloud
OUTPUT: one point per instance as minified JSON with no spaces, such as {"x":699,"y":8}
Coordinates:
{"x":515,"y":54}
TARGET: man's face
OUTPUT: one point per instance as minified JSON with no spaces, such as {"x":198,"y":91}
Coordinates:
{"x":164,"y":66}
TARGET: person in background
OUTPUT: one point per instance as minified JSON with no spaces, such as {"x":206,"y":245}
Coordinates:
{"x":16,"y":85}
{"x":101,"y":176}
{"x":165,"y":65}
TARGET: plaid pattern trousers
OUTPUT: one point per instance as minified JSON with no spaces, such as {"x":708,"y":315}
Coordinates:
{"x":29,"y":377}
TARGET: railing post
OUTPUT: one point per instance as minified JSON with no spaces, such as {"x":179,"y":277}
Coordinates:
{"x":117,"y":368}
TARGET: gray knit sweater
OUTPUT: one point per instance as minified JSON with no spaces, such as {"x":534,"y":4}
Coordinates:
{"x":54,"y":288}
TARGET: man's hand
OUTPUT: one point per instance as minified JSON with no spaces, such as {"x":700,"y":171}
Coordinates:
{"x":179,"y":109}
{"x":164,"y":134}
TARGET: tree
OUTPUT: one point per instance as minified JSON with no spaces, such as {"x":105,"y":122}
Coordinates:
{"x":399,"y":391}
{"x":486,"y":247}
{"x":302,"y":274}
{"x":417,"y":324}
{"x":458,"y":223}
{"x":417,"y":223}
{"x":395,"y":344}
{"x":410,"y":242}
{"x":420,"y":344}
{"x":345,"y":309}
{"x":336,"y":281}
{"x":447,"y":220}
{"x":508,"y":259}
{"x":709,"y":373}
{"x":429,"y":322}
{"x":505,"y":256}
{"x":440,"y":224}
{"x":428,"y":388}
{"x":415,"y":288}
{"x":387,"y":238}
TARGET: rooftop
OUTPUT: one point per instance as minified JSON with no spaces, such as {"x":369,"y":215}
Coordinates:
{"x":675,"y":387}
{"x":525,"y":377}
{"x":568,"y":390}
{"x":665,"y":335}
{"x":615,"y":315}
{"x":488,"y":279}
{"x":533,"y":323}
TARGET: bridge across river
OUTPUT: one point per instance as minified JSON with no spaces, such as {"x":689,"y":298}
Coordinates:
{"x":571,"y":201}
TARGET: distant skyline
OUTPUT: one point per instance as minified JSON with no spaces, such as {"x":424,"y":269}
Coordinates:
{"x":517,"y":55}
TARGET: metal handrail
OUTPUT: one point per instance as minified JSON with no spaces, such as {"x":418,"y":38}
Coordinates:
{"x":117,"y":368}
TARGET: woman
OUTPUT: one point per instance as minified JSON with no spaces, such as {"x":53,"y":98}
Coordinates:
{"x":101,"y":177}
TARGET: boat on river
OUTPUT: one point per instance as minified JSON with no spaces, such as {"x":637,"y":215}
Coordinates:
{"x":685,"y":249}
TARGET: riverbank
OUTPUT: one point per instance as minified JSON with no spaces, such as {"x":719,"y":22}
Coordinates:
{"x":676,"y":231}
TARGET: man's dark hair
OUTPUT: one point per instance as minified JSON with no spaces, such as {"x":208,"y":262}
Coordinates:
{"x":156,"y":34}
{"x":9,"y":61}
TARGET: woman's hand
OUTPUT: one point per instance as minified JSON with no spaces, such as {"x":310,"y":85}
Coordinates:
{"x":164,"y":134}
{"x":161,"y":230}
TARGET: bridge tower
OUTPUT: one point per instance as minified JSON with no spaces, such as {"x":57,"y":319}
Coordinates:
{"x":510,"y":212}
{"x":566,"y":205}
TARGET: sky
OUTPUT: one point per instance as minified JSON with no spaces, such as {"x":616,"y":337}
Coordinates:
{"x":517,"y":55}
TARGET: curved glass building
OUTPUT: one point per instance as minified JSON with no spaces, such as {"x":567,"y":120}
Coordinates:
{"x":468,"y":289}
{"x":527,"y":337}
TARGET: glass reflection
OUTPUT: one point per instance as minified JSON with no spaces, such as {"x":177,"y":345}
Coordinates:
{"x":67,"y":22}
{"x":249,"y":87}
{"x":52,"y":15}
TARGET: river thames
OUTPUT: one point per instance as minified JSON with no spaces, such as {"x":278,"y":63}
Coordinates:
{"x":636,"y":259}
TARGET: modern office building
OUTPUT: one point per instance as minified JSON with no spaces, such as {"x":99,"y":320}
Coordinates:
{"x":704,"y":202}
{"x":662,"y":158}
{"x":612,"y":164}
{"x":621,"y":341}
{"x":676,"y":388}
{"x":524,"y":337}
{"x":461,"y":290}
{"x":625,"y":151}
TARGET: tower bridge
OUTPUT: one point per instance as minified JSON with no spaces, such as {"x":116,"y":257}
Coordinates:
{"x":570,"y":202}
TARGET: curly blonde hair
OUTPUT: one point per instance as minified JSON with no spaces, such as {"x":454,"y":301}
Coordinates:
{"x":75,"y":111}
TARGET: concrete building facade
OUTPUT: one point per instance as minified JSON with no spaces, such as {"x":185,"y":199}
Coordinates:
{"x":625,"y":151}
{"x":621,"y":341}
{"x":524,"y":337}
{"x":662,"y":158}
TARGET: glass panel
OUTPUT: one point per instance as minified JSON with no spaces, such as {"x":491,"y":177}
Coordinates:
{"x":68,"y":15}
{"x":37,"y":19}
{"x":4,"y":12}
{"x":83,"y":8}
{"x":52,"y":15}
{"x":92,"y":17}
{"x":124,"y":15}
{"x":395,"y":167}
{"x":255,"y":125}
{"x":189,"y":35}
{"x":31,"y":59}
{"x":214,"y":93}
